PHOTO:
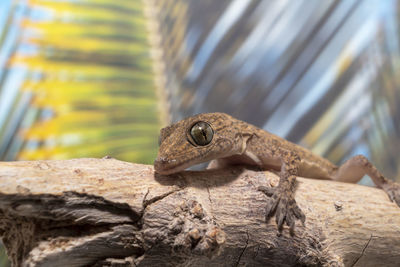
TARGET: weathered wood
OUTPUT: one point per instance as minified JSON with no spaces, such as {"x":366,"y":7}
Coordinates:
{"x":105,"y":212}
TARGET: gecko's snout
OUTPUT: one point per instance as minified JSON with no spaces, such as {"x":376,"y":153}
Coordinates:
{"x":159,"y":162}
{"x":162,"y":165}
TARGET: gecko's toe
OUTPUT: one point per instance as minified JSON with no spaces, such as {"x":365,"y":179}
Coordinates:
{"x":285,"y":209}
{"x":283,"y":206}
{"x":269,"y":191}
{"x":297,"y":212}
{"x":291,"y":222}
{"x":271,"y":208}
{"x":280,"y":218}
{"x":273,"y":202}
{"x":393,"y":191}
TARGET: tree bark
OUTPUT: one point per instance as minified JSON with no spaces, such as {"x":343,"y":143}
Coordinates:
{"x":105,"y":212}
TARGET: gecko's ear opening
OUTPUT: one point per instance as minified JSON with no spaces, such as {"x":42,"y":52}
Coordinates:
{"x":202,"y":133}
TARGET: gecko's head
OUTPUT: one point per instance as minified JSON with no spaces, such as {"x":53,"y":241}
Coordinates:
{"x":197,"y":139}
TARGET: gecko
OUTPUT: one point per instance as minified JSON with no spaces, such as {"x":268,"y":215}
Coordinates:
{"x":222,"y":140}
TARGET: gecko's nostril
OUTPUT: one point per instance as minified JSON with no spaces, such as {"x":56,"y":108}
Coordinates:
{"x":160,"y":163}
{"x":162,"y":160}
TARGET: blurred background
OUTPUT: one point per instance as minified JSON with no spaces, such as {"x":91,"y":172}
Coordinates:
{"x":90,"y":78}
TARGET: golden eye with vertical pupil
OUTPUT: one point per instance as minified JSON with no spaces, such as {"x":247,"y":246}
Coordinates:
{"x":202,"y":133}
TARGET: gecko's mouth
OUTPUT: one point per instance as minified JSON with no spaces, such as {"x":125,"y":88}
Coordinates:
{"x":165,"y":166}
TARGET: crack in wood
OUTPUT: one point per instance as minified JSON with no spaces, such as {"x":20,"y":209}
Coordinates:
{"x":363,"y":251}
{"x":244,"y":249}
{"x":70,"y":207}
{"x":211,"y":203}
{"x":156,"y":198}
{"x":258,"y":248}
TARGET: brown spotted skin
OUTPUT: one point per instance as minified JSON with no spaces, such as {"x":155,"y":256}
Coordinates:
{"x":237,"y":142}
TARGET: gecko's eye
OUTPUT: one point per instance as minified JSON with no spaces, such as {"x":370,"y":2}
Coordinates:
{"x":202,"y":133}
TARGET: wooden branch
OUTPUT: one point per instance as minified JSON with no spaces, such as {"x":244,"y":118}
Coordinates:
{"x":104,"y":212}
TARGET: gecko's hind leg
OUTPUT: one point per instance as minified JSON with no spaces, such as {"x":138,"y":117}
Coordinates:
{"x":356,"y":167}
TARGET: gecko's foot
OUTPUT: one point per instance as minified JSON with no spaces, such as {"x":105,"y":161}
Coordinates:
{"x":393,"y":191}
{"x":283,"y":205}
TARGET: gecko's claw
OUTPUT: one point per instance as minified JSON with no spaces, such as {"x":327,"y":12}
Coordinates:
{"x":393,"y":191}
{"x":269,"y":191}
{"x":298,"y":213}
{"x":284,"y":206}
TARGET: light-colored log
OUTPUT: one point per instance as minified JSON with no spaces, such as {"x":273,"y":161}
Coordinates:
{"x":105,"y":212}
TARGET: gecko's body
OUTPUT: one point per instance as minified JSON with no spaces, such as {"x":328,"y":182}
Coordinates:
{"x":224,"y":140}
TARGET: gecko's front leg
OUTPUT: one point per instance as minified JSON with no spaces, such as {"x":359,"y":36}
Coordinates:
{"x":282,"y":202}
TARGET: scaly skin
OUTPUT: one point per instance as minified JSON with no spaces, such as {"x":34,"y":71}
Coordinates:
{"x":237,"y":142}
